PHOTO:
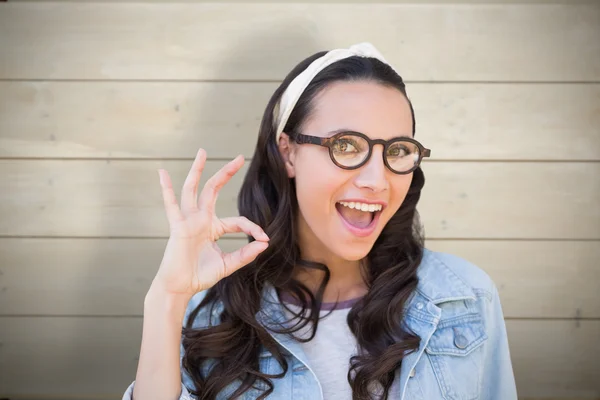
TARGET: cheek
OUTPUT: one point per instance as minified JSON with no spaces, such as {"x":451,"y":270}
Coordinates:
{"x":399,"y":186}
{"x":318,"y":180}
{"x":316,"y":184}
{"x":399,"y":189}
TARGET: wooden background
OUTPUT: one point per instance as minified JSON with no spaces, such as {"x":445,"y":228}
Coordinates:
{"x":94,"y":98}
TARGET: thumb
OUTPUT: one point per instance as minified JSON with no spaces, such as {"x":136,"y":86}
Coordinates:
{"x":244,"y":256}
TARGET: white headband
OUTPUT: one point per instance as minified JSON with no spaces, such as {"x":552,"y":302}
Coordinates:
{"x":298,"y":85}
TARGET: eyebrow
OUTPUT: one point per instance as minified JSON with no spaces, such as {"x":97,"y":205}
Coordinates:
{"x":334,"y":132}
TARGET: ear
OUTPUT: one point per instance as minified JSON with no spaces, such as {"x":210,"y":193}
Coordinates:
{"x":287,"y":148}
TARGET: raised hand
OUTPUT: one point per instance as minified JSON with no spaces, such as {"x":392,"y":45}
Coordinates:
{"x":193,"y":261}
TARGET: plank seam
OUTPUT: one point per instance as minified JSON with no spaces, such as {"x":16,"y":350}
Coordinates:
{"x":60,"y":237}
{"x":592,"y":319}
{"x":457,"y":82}
{"x":224,"y":159}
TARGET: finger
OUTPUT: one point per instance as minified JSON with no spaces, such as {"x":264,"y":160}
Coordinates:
{"x":189,"y":192}
{"x":169,"y":199}
{"x":243,"y":224}
{"x":237,"y":259}
{"x":208,"y":197}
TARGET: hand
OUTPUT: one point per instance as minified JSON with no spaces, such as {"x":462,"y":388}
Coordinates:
{"x":193,"y":261}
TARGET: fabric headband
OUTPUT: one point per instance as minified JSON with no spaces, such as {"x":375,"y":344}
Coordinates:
{"x":299,"y":84}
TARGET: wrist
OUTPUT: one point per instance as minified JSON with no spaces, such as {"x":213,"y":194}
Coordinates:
{"x":168,"y":301}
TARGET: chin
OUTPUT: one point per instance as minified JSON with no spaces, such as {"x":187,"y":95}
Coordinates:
{"x":355,"y":255}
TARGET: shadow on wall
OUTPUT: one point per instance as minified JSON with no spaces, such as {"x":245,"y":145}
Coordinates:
{"x":254,"y":51}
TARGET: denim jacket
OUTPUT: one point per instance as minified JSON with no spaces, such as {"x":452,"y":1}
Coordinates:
{"x":455,"y":310}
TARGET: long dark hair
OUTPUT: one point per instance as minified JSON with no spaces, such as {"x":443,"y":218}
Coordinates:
{"x":268,"y":198}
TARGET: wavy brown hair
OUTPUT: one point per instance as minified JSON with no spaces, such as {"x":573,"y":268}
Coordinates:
{"x":268,"y":198}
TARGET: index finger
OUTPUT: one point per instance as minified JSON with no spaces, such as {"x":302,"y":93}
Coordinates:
{"x":189,"y":192}
{"x":208,"y":197}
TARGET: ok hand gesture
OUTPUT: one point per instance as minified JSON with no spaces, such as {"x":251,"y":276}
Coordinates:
{"x":192,"y":261}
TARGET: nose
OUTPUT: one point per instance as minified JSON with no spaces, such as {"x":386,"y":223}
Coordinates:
{"x":372,"y":175}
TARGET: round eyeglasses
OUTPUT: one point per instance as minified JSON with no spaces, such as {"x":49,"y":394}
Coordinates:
{"x":351,"y":150}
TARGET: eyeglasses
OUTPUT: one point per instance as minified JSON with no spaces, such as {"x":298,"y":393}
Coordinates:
{"x":351,"y":150}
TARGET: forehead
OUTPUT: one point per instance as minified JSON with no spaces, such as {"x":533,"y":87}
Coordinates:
{"x":371,"y":108}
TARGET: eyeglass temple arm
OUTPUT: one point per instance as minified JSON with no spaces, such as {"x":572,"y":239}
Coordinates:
{"x":301,"y":139}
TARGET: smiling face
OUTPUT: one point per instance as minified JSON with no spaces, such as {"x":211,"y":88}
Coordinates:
{"x":325,"y":226}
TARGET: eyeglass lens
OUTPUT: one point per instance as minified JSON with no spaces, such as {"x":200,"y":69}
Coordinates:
{"x":351,"y":150}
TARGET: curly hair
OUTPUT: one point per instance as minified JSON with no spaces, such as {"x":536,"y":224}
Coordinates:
{"x":268,"y":198}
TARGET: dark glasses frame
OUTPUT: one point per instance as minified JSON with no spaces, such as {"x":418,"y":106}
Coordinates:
{"x":329,"y":141}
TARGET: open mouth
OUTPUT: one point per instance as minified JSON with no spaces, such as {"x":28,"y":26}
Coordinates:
{"x":359,"y":215}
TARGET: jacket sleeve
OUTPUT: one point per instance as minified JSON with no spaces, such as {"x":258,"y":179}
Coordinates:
{"x":498,"y":377}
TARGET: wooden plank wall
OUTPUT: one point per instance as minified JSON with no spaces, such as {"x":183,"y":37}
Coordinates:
{"x":95,"y":97}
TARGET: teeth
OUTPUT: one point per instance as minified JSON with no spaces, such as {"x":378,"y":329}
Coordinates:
{"x":362,"y":206}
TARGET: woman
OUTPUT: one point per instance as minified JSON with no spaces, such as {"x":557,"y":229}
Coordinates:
{"x":335,"y":296}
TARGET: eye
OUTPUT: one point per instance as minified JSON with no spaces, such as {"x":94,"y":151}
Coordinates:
{"x":398,"y":150}
{"x":346,"y":145}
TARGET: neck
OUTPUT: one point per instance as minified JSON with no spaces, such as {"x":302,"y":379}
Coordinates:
{"x":345,"y":281}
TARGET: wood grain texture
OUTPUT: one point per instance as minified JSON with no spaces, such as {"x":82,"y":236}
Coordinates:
{"x":104,"y":277}
{"x":460,"y":200}
{"x":555,"y":358}
{"x":173,"y":119}
{"x":97,"y":357}
{"x":95,"y":97}
{"x":176,"y":41}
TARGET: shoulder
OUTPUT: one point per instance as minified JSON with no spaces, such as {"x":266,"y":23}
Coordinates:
{"x":459,"y":289}
{"x":472,"y":274}
{"x":445,"y":276}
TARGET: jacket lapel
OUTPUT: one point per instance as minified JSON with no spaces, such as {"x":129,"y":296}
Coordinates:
{"x":271,"y":315}
{"x":437,"y":284}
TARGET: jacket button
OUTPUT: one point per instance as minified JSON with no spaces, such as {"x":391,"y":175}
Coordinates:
{"x":412,"y":373}
{"x":419,"y":306}
{"x":460,"y":341}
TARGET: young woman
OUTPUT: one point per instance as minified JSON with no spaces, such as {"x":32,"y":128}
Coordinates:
{"x":335,"y":296}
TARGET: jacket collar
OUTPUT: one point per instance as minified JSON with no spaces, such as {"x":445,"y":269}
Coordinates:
{"x":438,"y":283}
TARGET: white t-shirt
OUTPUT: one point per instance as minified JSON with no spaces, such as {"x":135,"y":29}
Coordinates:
{"x":330,"y":350}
